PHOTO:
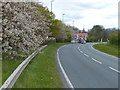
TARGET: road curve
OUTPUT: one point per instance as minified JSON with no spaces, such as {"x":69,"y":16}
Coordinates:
{"x":86,"y":67}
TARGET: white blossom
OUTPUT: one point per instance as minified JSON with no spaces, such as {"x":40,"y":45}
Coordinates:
{"x":23,"y":28}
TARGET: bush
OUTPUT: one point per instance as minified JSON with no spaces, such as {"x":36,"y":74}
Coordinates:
{"x":18,"y":33}
{"x":114,"y":39}
{"x":93,"y":38}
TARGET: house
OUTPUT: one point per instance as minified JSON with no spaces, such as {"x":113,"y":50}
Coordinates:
{"x":80,"y":36}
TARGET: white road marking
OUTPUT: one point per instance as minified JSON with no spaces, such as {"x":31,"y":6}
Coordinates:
{"x":89,"y":56}
{"x":64,"y":46}
{"x":80,"y":50}
{"x":114,"y":69}
{"x":86,"y":55}
{"x":63,"y":71}
{"x":97,"y":61}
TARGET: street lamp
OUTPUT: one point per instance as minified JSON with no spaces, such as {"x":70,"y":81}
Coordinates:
{"x":51,"y":4}
{"x":63,"y":17}
{"x":63,"y":34}
{"x":73,"y":24}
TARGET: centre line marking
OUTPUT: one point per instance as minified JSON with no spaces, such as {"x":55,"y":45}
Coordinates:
{"x":114,"y":69}
{"x":80,"y":50}
{"x":97,"y":61}
{"x":86,"y":55}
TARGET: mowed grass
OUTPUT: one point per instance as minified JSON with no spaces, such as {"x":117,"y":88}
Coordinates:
{"x":8,"y":66}
{"x":108,"y":48}
{"x":0,"y":73}
{"x":42,"y":71}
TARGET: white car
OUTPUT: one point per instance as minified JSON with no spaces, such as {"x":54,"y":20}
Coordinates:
{"x":74,"y":41}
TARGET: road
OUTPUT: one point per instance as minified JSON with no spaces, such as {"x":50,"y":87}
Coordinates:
{"x":86,"y":67}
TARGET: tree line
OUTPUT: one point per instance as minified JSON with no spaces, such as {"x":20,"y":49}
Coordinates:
{"x":28,"y":25}
{"x":98,"y":33}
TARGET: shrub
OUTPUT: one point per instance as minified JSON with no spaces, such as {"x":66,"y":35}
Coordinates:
{"x":93,"y":38}
{"x":114,"y":39}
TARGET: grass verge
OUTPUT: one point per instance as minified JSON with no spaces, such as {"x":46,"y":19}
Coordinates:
{"x":0,"y":73}
{"x":108,"y":48}
{"x":8,"y":66}
{"x":42,"y":71}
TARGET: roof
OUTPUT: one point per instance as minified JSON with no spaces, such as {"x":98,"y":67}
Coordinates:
{"x":81,"y":34}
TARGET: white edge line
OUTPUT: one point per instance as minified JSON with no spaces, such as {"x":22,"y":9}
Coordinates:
{"x":97,"y":61}
{"x":63,"y":71}
{"x":114,"y":69}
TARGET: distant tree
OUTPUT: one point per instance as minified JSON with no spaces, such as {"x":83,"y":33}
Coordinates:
{"x":68,"y":39}
{"x":93,"y":38}
{"x":83,"y":31}
{"x":104,"y":35}
{"x":97,"y":31}
{"x":114,"y":38}
{"x":75,"y":28}
{"x":79,"y":31}
{"x":56,"y":28}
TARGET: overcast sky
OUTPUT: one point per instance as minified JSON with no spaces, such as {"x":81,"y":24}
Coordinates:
{"x":86,"y":12}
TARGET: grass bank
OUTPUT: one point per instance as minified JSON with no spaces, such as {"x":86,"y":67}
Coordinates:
{"x":0,"y":73}
{"x":108,"y":48}
{"x":42,"y":71}
{"x":8,"y":66}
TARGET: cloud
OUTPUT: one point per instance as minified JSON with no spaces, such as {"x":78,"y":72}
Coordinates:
{"x":86,"y":12}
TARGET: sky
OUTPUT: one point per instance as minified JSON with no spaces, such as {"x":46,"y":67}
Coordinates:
{"x":85,"y":13}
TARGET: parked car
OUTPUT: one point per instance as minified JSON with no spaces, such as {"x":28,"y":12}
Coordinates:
{"x":83,"y":41}
{"x":74,"y":41}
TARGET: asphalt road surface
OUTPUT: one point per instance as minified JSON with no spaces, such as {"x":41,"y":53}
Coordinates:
{"x":86,"y":67}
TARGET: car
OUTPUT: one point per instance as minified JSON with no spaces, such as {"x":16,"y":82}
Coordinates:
{"x":83,"y":42}
{"x":74,"y":41}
